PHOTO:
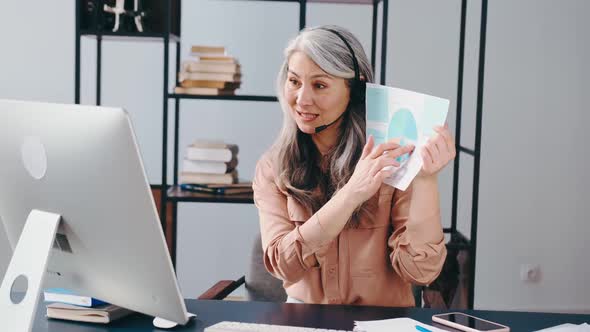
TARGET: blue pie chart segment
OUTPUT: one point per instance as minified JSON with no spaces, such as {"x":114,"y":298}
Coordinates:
{"x":378,"y":135}
{"x":403,"y":125}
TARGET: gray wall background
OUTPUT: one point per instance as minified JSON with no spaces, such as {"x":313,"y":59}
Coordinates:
{"x":533,"y":185}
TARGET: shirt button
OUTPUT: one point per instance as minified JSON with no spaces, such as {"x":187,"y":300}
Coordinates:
{"x":332,"y":270}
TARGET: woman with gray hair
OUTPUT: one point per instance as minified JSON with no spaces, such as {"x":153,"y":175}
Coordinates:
{"x":331,"y":230}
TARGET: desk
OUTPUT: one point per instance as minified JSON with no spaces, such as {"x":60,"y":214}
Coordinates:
{"x":210,"y":312}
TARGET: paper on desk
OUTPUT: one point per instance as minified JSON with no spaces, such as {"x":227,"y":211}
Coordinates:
{"x":568,"y":328}
{"x":411,"y":116}
{"x":395,"y":324}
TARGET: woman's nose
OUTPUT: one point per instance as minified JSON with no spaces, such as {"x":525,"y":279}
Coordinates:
{"x":304,"y":96}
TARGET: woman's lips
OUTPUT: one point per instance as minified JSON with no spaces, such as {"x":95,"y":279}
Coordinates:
{"x":308,"y":117}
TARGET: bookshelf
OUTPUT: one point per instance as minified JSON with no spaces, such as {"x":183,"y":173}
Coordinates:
{"x":168,"y":33}
{"x":169,"y":195}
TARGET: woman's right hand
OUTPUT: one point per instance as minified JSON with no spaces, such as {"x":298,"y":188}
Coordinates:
{"x":369,"y":172}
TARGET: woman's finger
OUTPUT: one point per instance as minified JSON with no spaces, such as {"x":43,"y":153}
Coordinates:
{"x":381,"y":163}
{"x":383,"y":147}
{"x":368,"y":147}
{"x":384,"y":174}
{"x":433,"y":143}
{"x":448,"y":139}
{"x":442,"y":147}
{"x":400,"y":151}
{"x":427,"y":156}
{"x":445,"y":155}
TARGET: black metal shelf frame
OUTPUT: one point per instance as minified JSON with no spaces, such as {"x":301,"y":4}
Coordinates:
{"x":476,"y":152}
{"x":458,"y":240}
{"x":129,"y":35}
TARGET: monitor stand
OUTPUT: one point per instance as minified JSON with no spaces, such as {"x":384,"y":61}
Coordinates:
{"x":28,"y":264}
{"x":162,"y":323}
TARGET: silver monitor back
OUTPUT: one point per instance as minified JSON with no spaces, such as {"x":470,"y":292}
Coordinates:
{"x":112,"y":244}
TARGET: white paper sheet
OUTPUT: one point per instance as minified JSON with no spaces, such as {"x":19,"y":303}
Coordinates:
{"x":394,"y":324}
{"x":568,"y":328}
{"x":411,"y":116}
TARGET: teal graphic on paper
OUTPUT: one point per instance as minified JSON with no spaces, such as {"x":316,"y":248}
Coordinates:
{"x":433,"y":116}
{"x":378,"y":136}
{"x":408,"y":116}
{"x":403,"y":126}
{"x":377,"y":101}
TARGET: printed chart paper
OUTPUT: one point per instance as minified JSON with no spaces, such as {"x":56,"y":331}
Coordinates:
{"x":407,"y":115}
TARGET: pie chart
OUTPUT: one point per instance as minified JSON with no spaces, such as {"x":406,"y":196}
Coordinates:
{"x":403,"y":125}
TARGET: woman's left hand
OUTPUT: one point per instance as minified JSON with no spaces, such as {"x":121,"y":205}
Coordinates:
{"x":438,"y":151}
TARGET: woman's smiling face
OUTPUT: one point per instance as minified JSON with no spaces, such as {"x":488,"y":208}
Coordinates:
{"x":315,"y":98}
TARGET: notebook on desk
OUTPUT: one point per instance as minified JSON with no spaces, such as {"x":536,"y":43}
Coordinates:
{"x":394,"y":324}
{"x":103,"y":314}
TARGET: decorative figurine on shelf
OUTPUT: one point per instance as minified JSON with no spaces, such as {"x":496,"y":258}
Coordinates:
{"x":119,"y":9}
{"x":137,"y":15}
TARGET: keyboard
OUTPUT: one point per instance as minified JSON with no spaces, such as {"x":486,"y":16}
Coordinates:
{"x":250,"y":327}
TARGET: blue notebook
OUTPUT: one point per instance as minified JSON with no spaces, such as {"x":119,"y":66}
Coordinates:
{"x":66,"y":296}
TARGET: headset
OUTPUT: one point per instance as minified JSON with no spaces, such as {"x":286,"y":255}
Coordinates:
{"x":357,"y":86}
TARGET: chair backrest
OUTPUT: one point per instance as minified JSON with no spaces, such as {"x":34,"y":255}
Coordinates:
{"x":261,"y":285}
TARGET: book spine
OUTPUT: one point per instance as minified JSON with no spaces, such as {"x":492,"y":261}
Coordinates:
{"x":198,"y":76}
{"x":193,"y":166}
{"x":192,"y":67}
{"x":223,"y":155}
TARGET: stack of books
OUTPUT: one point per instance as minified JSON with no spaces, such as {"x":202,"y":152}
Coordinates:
{"x":219,"y":189}
{"x":66,"y":305}
{"x":209,"y":71}
{"x":209,"y":162}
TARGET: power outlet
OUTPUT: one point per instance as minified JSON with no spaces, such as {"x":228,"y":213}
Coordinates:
{"x":530,"y":273}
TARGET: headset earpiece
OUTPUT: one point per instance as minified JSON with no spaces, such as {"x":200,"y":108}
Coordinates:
{"x":357,"y":85}
{"x":357,"y":91}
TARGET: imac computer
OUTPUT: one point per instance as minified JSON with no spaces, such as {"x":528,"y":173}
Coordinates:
{"x":78,"y":212}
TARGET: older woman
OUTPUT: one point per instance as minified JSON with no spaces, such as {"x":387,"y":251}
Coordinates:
{"x":331,"y":230}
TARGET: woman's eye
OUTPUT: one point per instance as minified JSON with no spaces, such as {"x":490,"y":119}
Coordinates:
{"x":320,"y":86}
{"x":294,"y":82}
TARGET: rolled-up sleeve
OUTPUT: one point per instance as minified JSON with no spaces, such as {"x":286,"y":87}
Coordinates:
{"x":418,"y":248}
{"x":288,"y":247}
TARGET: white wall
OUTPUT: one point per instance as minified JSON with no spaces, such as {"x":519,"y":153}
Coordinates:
{"x":534,"y":67}
{"x":534,"y":185}
{"x":36,"y":63}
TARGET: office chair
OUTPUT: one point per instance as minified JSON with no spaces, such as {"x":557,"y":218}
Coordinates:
{"x":260,"y":285}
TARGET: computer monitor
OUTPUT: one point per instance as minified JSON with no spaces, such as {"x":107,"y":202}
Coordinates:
{"x":83,"y":163}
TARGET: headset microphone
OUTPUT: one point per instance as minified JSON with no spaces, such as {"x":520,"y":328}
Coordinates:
{"x":322,"y":127}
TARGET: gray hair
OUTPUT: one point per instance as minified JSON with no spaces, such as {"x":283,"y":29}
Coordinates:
{"x":297,"y":158}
